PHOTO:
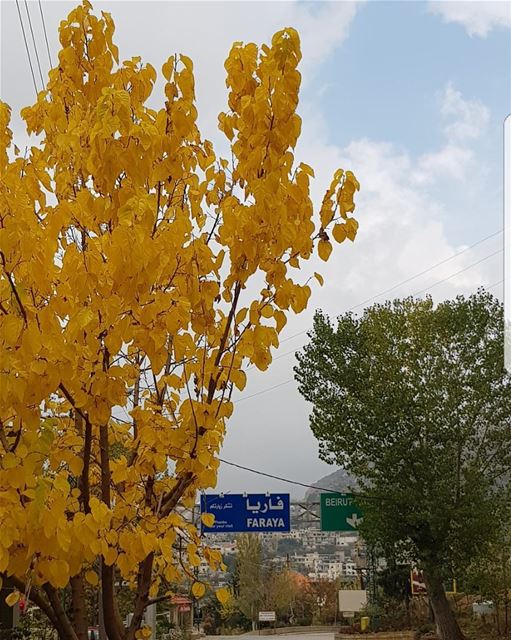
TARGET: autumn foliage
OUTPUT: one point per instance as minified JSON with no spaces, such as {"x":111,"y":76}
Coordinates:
{"x":128,"y":254}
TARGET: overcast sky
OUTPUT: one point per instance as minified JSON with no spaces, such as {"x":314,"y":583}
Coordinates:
{"x":409,"y":95}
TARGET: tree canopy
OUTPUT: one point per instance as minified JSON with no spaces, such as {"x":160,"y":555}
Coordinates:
{"x":140,"y":274}
{"x":414,"y":400}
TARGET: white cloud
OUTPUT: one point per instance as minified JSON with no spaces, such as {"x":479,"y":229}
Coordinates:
{"x":478,"y":17}
{"x":471,"y":117}
{"x":404,"y":229}
{"x":323,"y":31}
{"x":464,"y":121}
{"x":402,"y":224}
{"x":452,"y":161}
{"x":402,"y":218}
{"x":204,"y":31}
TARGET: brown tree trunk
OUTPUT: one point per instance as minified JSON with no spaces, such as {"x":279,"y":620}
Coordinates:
{"x":113,"y":624}
{"x":408,"y":618}
{"x":62,"y":623}
{"x":79,"y":604}
{"x":445,"y":620}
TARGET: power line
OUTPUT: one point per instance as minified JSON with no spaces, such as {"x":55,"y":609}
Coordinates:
{"x":26,"y":47}
{"x":490,"y":286}
{"x":295,"y":482}
{"x":270,"y":475}
{"x":281,"y":384}
{"x":407,"y":280}
{"x":258,"y":393}
{"x":45,"y":33}
{"x":458,"y":272}
{"x":417,"y":275}
{"x":396,"y":286}
{"x":35,"y":45}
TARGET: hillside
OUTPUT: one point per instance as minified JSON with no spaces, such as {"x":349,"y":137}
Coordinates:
{"x":340,"y":480}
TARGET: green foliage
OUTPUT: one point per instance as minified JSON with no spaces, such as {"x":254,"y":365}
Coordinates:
{"x":248,"y":579}
{"x":414,"y":400}
{"x":394,"y":581}
{"x":489,"y":575}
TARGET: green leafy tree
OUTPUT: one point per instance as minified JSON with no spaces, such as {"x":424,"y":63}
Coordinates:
{"x":394,"y":582}
{"x":489,"y":574}
{"x":249,"y":576}
{"x":280,"y":592}
{"x":322,"y":599}
{"x":414,"y":400}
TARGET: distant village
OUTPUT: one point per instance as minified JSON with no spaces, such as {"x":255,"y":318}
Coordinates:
{"x":316,"y":554}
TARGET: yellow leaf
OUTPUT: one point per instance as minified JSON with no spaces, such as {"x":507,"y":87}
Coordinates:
{"x":208,"y":519}
{"x":241,"y":315}
{"x":319,"y":278}
{"x":110,"y":556}
{"x":92,"y":578}
{"x":13,"y":598}
{"x":324,"y":249}
{"x":339,"y":232}
{"x":307,"y":169}
{"x":186,"y":61}
{"x":167,"y":68}
{"x":281,"y":320}
{"x":223,"y":595}
{"x":198,"y":589}
{"x":351,"y":228}
{"x":267,"y":311}
{"x":239,"y":378}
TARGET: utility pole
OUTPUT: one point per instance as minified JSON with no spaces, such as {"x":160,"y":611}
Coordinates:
{"x":151,"y":619}
{"x":195,"y":604}
{"x":101,"y":621}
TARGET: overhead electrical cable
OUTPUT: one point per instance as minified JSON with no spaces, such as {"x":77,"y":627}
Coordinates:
{"x":457,"y":273}
{"x":26,"y":47}
{"x":407,"y":280}
{"x":421,"y":273}
{"x":281,"y":384}
{"x":274,"y":477}
{"x":35,"y":45}
{"x":295,"y":482}
{"x":381,"y":293}
{"x":45,"y":33}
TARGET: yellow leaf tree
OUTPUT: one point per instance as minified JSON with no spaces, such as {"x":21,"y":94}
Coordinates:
{"x":128,"y":254}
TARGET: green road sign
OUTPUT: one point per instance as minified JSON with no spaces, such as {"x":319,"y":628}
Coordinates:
{"x":339,"y":512}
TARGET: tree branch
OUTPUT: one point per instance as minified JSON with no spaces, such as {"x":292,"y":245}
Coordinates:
{"x":142,"y":598}
{"x":14,"y":290}
{"x":64,"y":624}
{"x":36,"y":597}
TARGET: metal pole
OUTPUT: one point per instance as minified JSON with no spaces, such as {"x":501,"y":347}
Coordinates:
{"x":101,"y":621}
{"x":151,"y":619}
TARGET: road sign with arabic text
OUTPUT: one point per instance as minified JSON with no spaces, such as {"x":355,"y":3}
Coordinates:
{"x":255,"y":512}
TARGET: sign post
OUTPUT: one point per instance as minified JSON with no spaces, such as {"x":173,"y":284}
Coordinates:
{"x":253,"y":513}
{"x":267,"y":616}
{"x":352,"y":601}
{"x":339,"y":512}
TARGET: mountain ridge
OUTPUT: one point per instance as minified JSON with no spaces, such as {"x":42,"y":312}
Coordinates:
{"x":339,"y":480}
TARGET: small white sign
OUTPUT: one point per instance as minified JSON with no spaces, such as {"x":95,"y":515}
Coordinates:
{"x":352,"y":600}
{"x":267,"y":616}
